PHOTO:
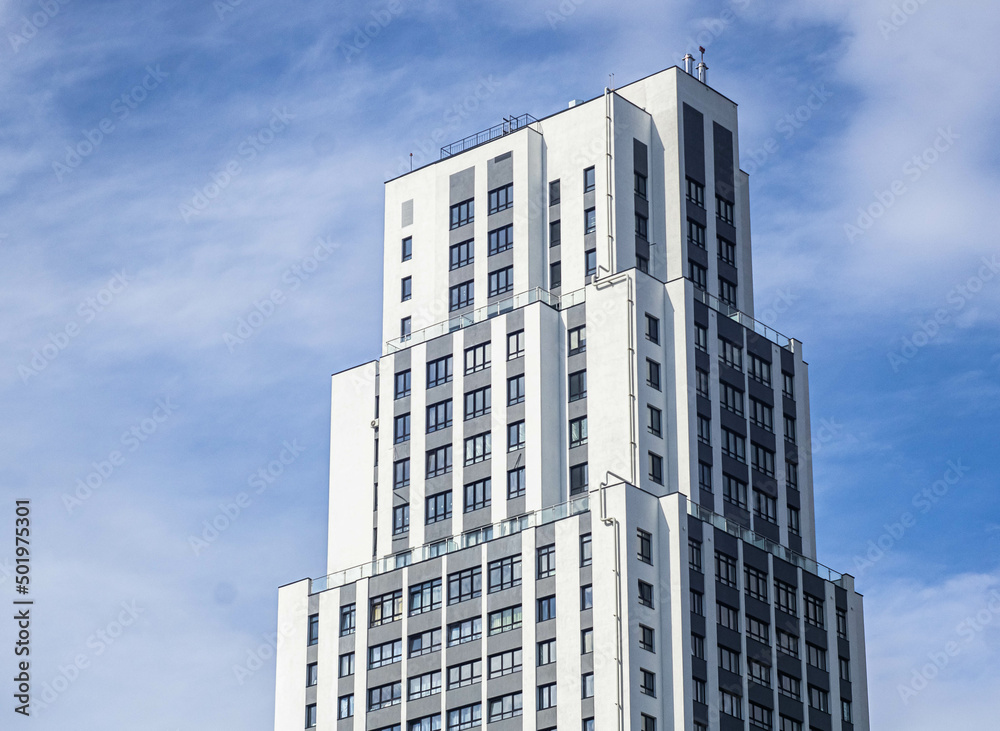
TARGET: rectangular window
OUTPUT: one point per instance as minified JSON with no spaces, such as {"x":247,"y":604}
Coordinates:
{"x":313,"y":635}
{"x":640,"y":185}
{"x":705,"y":476}
{"x":515,"y":344}
{"x":790,"y":429}
{"x":427,"y":723}
{"x":504,"y":620}
{"x":501,"y":239}
{"x":697,"y":603}
{"x":787,"y":384}
{"x":345,"y":706}
{"x":760,"y":370}
{"x":814,"y":611}
{"x":516,"y":483}
{"x":652,"y":329}
{"x":577,"y":340}
{"x":546,"y":608}
{"x":400,"y":519}
{"x":347,"y":619}
{"x":655,"y":468}
{"x":589,"y":179}
{"x":504,"y":573}
{"x":759,"y":672}
{"x":439,"y":416}
{"x":758,"y":629}
{"x":590,"y":262}
{"x":555,"y":274}
{"x":641,"y":226}
{"x":724,"y":210}
{"x":652,"y":374}
{"x":648,"y":723}
{"x":546,"y":696}
{"x":501,"y":281}
{"x":461,"y":254}
{"x":765,"y":507}
{"x":421,"y":686}
{"x":793,"y":520}
{"x":819,"y":699}
{"x":478,"y":448}
{"x":439,"y":461}
{"x":402,"y":384}
{"x":385,"y":608}
{"x":730,"y":660}
{"x":755,"y":582}
{"x":734,"y":445}
{"x":728,"y":616}
{"x":439,"y":371}
{"x":385,"y":696}
{"x":645,"y":594}
{"x":478,"y":402}
{"x":727,"y":251}
{"x":468,"y":630}
{"x":694,"y":555}
{"x":647,"y":682}
{"x":789,"y":724}
{"x":701,"y":338}
{"x":577,"y":385}
{"x":578,"y":432}
{"x":505,"y":706}
{"x":696,"y":234}
{"x":700,"y":693}
{"x":789,"y":686}
{"x":345,"y":668}
{"x":400,"y":474}
{"x":515,"y":436}
{"x":731,"y":398}
{"x":725,"y":569}
{"x":465,"y":585}
{"x":405,"y":328}
{"x":406,"y":289}
{"x":644,"y":545}
{"x":401,"y":428}
{"x":502,"y":198}
{"x":553,"y":192}
{"x":731,"y":354}
{"x":642,"y":263}
{"x":461,"y":296}
{"x":425,"y":597}
{"x":761,"y":415}
{"x":407,"y":248}
{"x":785,"y":597}
{"x":424,"y":643}
{"x":477,"y":358}
{"x":590,"y":220}
{"x":385,"y":654}
{"x":845,"y":669}
{"x":504,"y":663}
{"x":842,"y":623}
{"x":760,"y":716}
{"x":466,"y":673}
{"x":463,"y":213}
{"x":698,"y":275}
{"x":515,"y":390}
{"x":731,"y":704}
{"x":478,"y":495}
{"x":586,"y":641}
{"x":647,"y":638}
{"x":546,"y":556}
{"x":762,"y":459}
{"x":696,"y":193}
{"x":788,"y":643}
{"x":704,"y":430}
{"x":555,"y":233}
{"x":586,"y":597}
{"x":586,"y":550}
{"x":697,"y":646}
{"x":654,"y":421}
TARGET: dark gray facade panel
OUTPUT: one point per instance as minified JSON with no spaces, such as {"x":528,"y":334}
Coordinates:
{"x":723,"y":151}
{"x":694,"y":144}
{"x":461,"y":185}
{"x":640,"y":157}
{"x":730,"y":330}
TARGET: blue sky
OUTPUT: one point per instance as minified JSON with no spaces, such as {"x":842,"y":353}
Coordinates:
{"x":166,"y":168}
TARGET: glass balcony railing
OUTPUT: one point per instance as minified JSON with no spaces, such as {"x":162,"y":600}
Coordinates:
{"x":456,"y":543}
{"x":727,"y":310}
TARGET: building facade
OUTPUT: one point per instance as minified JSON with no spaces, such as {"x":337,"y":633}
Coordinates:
{"x":575,"y":489}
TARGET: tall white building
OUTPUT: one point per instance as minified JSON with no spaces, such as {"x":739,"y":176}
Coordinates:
{"x":575,"y":489}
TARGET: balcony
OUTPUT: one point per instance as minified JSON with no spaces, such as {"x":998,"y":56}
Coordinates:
{"x":727,"y":310}
{"x":508,"y":125}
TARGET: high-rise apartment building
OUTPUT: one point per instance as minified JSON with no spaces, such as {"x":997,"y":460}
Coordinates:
{"x":575,"y":489}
